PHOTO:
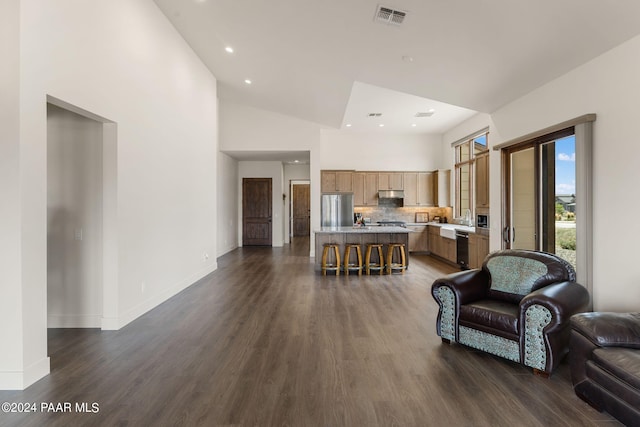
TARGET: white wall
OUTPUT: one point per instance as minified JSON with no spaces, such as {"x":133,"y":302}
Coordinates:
{"x":275,"y":171}
{"x":292,"y":173}
{"x":245,"y":128}
{"x":228,"y":199}
{"x":608,"y":86}
{"x":14,"y":341}
{"x":380,"y":151}
{"x":74,"y":220}
{"x":121,"y":60}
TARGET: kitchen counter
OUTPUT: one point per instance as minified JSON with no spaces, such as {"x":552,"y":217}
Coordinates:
{"x":360,"y":236}
{"x":374,"y":229}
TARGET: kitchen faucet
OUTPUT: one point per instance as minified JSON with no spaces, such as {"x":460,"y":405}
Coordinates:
{"x":467,"y":217}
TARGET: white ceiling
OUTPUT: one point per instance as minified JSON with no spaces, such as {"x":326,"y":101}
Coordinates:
{"x":329,"y":62}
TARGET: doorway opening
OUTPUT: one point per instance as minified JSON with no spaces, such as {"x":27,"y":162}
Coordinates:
{"x":81,"y":218}
{"x":300,"y":214}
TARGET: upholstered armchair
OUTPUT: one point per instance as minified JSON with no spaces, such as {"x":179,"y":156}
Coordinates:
{"x":517,"y":306}
{"x":605,"y":362}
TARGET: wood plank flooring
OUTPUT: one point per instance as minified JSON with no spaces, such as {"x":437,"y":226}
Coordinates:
{"x":266,"y":341}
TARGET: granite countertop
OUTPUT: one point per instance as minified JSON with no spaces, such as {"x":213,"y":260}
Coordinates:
{"x":367,"y":229}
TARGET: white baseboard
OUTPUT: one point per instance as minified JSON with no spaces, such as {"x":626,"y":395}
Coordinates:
{"x":151,"y":303}
{"x":19,"y":380}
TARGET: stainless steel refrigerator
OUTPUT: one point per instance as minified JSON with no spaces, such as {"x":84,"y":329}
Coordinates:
{"x":337,"y":210}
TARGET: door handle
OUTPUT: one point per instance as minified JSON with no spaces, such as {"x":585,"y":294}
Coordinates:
{"x":505,"y":234}
{"x":513,"y":234}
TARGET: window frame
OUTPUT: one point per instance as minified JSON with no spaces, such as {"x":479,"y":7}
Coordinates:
{"x":460,"y":162}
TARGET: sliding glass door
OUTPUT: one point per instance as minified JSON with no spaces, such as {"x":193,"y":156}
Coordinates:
{"x":540,"y":195}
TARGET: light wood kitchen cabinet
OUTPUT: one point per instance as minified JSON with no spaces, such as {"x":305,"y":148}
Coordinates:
{"x":482,"y":181}
{"x":418,"y":239}
{"x":365,"y":188}
{"x":442,"y":188}
{"x":419,"y":189}
{"x":478,"y":249}
{"x":441,"y":246}
{"x":390,"y":181}
{"x":336,"y":181}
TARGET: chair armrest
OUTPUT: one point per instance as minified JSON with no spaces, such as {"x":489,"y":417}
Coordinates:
{"x":609,"y":329}
{"x":469,"y":285}
{"x":563,"y":300}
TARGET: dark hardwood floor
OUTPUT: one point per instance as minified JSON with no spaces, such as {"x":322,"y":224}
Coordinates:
{"x":266,"y":341}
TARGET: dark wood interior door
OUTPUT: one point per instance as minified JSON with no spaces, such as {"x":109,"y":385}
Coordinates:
{"x":256,"y":212}
{"x":301,"y":210}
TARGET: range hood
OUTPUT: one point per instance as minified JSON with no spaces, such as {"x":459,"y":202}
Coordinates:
{"x":391,"y":198}
{"x":391,"y":194}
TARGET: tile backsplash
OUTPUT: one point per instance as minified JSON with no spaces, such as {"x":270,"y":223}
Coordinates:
{"x":406,"y":214}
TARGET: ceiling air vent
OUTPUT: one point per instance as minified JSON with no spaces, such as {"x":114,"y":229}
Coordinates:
{"x":390,"y":16}
{"x":424,"y":114}
{"x":374,"y":114}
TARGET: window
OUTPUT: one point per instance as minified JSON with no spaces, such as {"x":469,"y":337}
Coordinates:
{"x":465,"y":152}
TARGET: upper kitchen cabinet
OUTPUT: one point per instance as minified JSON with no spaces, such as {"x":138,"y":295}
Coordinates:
{"x":365,"y":188}
{"x":442,"y":187}
{"x":336,"y":181}
{"x":482,"y":181}
{"x":390,"y":181}
{"x":419,"y":188}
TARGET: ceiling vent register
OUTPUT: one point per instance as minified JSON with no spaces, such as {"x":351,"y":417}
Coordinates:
{"x":424,"y":114}
{"x":390,"y":16}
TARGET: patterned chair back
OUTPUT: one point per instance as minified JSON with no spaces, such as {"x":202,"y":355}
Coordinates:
{"x":515,"y":273}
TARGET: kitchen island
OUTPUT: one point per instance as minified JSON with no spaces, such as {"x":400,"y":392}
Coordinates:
{"x":361,"y":236}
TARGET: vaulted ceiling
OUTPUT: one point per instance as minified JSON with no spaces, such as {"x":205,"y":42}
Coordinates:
{"x":332,"y":63}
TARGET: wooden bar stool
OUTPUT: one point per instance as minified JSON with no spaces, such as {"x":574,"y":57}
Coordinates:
{"x":325,"y":254}
{"x":368,"y":265}
{"x":399,"y":264}
{"x":352,"y":266}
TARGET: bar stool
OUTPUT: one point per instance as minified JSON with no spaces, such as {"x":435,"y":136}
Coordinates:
{"x":400,"y":264}
{"x":368,"y":265}
{"x":355,"y":266}
{"x":325,"y":254}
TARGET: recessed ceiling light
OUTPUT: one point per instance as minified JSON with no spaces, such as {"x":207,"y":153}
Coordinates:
{"x":296,"y":161}
{"x":348,"y":125}
{"x":432,"y":110}
{"x":247,"y":81}
{"x":413,"y":125}
{"x":229,"y":49}
{"x":381,"y":125}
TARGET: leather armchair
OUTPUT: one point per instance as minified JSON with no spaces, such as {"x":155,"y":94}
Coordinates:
{"x":605,"y":362}
{"x":517,"y":306}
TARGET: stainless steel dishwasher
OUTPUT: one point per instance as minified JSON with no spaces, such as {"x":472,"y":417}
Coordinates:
{"x":462,"y":249}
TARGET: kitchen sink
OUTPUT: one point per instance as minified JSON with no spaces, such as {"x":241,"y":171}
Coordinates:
{"x":448,"y":231}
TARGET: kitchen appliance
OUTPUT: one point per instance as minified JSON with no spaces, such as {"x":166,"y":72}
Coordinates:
{"x":462,"y":249}
{"x":336,"y":210}
{"x":391,"y":198}
{"x":482,"y":221}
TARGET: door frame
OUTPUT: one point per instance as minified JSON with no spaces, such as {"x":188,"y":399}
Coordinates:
{"x":110,"y":318}
{"x":293,"y":182}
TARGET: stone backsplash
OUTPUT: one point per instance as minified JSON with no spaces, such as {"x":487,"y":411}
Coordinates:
{"x":406,"y":214}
